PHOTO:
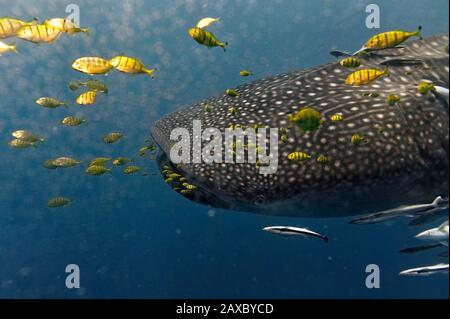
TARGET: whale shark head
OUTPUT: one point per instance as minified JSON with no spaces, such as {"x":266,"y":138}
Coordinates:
{"x":403,"y":157}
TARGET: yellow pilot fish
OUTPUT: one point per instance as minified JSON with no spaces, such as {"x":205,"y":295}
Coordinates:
{"x":18,"y":143}
{"x":299,"y":156}
{"x":58,"y":202}
{"x":357,"y":139}
{"x":92,"y":65}
{"x":350,"y":62}
{"x":38,"y":33}
{"x":206,"y":38}
{"x":87,"y":98}
{"x":322,"y":159}
{"x":389,"y":39}
{"x":338,"y":117}
{"x":66,"y":26}
{"x":130,"y":65}
{"x":9,"y":26}
{"x":365,"y":76}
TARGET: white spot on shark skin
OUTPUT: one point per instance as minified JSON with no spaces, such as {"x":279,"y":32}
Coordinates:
{"x":317,"y":78}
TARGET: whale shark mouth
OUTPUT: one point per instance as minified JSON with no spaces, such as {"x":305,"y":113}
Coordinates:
{"x":201,"y":195}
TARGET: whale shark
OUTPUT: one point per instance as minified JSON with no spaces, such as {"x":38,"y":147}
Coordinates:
{"x":404,"y":158}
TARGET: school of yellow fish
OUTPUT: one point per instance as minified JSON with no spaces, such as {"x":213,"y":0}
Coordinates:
{"x":48,"y":32}
{"x":306,"y":119}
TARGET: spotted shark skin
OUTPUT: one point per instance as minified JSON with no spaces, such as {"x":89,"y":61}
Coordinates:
{"x":404,"y":161}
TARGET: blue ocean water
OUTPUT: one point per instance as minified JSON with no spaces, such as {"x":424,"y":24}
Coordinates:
{"x":132,"y":236}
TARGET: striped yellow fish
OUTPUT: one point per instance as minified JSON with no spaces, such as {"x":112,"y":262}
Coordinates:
{"x":322,"y":159}
{"x":299,"y":156}
{"x":357,"y":139}
{"x":10,"y":26}
{"x":390,"y":39}
{"x":65,"y":162}
{"x":392,"y":99}
{"x":99,"y":161}
{"x":92,"y":65}
{"x":206,"y":38}
{"x":50,"y":102}
{"x":66,"y":26}
{"x":189,"y":186}
{"x":27,"y":136}
{"x":38,"y":33}
{"x":58,"y":202}
{"x":130,"y":65}
{"x":350,"y":62}
{"x":131,"y":169}
{"x":18,"y":143}
{"x":96,"y":170}
{"x":112,"y":137}
{"x":72,"y":121}
{"x":87,"y":98}
{"x":365,"y":76}
{"x":424,"y":87}
{"x":337,"y":117}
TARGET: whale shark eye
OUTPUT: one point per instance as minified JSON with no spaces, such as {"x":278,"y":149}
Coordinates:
{"x":260,"y":200}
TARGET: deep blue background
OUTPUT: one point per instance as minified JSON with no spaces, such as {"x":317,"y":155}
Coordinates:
{"x":131,"y":235}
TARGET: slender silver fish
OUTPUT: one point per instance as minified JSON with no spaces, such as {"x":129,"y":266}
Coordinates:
{"x":294,"y":231}
{"x":427,"y":270}
{"x":438,"y":234}
{"x":437,"y":205}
